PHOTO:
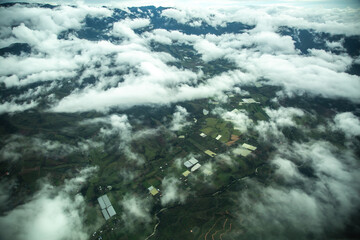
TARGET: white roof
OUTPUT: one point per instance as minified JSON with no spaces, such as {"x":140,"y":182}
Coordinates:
{"x":106,"y":200}
{"x":188,"y":164}
{"x":196,"y":167}
{"x":248,"y":146}
{"x":106,"y":207}
{"x":193,"y":161}
{"x":105,"y":214}
{"x":101,"y":202}
{"x":218,"y":137}
{"x":203,"y":134}
{"x":111,"y":211}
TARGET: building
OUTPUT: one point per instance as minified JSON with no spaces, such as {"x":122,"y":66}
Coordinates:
{"x":247,"y":146}
{"x":196,"y":167}
{"x":202,"y":134}
{"x":106,"y":208}
{"x":218,"y":137}
{"x":210,"y":153}
{"x":111,"y":211}
{"x":153,"y":191}
{"x":191,"y":162}
{"x":186,"y":173}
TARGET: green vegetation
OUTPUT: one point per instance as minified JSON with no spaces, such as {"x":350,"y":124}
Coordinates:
{"x":208,"y":209}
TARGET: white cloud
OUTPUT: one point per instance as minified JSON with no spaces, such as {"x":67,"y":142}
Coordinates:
{"x":52,"y":213}
{"x":178,"y":15}
{"x":135,"y":210}
{"x":10,"y":107}
{"x":136,"y":23}
{"x":348,"y":123}
{"x":286,"y":169}
{"x":283,"y":117}
{"x":279,"y":118}
{"x":171,"y":191}
{"x":208,"y":50}
{"x":239,"y":118}
{"x":147,"y":78}
{"x":17,"y":146}
{"x":276,"y":210}
{"x":179,"y":119}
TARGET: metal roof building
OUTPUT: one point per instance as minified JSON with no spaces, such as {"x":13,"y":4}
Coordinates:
{"x":248,"y":146}
{"x":106,"y":200}
{"x":106,"y":208}
{"x":210,"y":153}
{"x":153,"y":191}
{"x":191,"y":162}
{"x":196,"y":167}
{"x":111,"y":211}
{"x":101,"y":202}
{"x":186,"y":173}
{"x":105,"y":214}
{"x":188,"y":164}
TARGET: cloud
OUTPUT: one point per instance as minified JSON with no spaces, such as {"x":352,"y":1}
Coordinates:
{"x":287,"y":169}
{"x":55,"y":20}
{"x":178,"y":15}
{"x":136,"y":210}
{"x":6,"y":188}
{"x":279,"y":118}
{"x":121,"y":129}
{"x":118,"y":130}
{"x":283,"y":117}
{"x":136,"y":23}
{"x":52,"y":213}
{"x":348,"y":123}
{"x":239,"y":118}
{"x":305,"y":206}
{"x":179,"y":119}
{"x":225,"y":158}
{"x":18,"y":147}
{"x":208,"y":50}
{"x":171,"y":191}
{"x":128,"y":72}
{"x":10,"y":107}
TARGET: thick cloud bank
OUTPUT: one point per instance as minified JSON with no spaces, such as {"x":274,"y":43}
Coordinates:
{"x":78,"y":66}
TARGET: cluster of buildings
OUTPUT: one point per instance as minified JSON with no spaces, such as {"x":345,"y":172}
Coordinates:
{"x":244,"y":150}
{"x":106,"y":208}
{"x":192,"y":165}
